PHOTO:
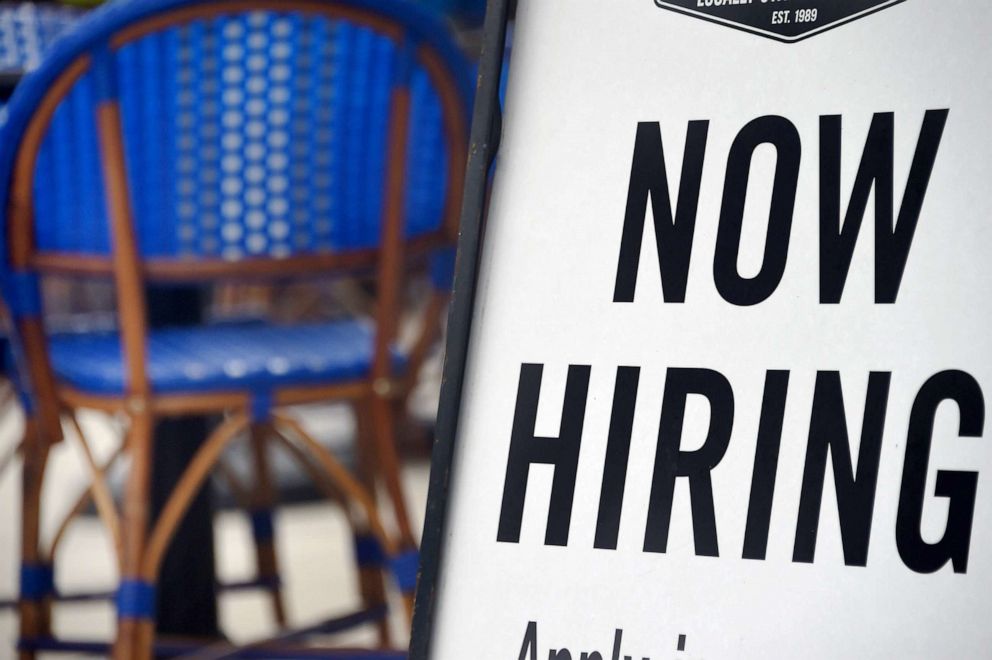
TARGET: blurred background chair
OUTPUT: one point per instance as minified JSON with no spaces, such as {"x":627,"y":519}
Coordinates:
{"x":26,"y":30}
{"x":191,"y":141}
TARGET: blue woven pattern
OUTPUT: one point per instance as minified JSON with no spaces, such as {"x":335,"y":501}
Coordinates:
{"x":222,"y":358}
{"x":26,"y":30}
{"x":258,"y":134}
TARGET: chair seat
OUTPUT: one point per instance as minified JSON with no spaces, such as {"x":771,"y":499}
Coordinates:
{"x":258,"y":357}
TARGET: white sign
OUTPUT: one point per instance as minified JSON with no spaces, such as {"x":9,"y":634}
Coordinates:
{"x":731,"y":350}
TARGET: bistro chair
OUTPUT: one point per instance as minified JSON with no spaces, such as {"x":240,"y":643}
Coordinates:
{"x":26,"y":30}
{"x":203,"y":141}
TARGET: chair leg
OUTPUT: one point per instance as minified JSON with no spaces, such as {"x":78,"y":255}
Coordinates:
{"x":356,"y":494}
{"x":371,"y":562}
{"x":371,"y":576}
{"x":263,"y":502}
{"x":136,"y":596}
{"x":34,"y":602}
{"x":383,"y":420}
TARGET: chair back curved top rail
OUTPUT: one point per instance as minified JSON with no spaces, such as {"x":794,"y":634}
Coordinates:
{"x":253,"y":131}
{"x":191,"y":140}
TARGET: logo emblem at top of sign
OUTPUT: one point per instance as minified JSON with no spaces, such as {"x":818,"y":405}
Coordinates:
{"x":783,"y":20}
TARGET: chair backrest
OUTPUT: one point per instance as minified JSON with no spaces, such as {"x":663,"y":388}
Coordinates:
{"x":254,"y":136}
{"x":188,"y":140}
{"x":26,"y":29}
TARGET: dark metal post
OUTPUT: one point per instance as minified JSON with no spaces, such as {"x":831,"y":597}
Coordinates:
{"x":187,"y":599}
{"x":484,"y":141}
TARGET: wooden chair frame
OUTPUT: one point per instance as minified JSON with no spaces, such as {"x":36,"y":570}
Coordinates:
{"x":141,"y":550}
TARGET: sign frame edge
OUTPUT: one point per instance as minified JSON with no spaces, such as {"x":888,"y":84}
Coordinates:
{"x":483,"y":145}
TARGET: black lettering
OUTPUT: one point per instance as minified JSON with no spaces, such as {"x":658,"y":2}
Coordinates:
{"x":526,"y":448}
{"x":960,"y":487}
{"x":782,"y":134}
{"x":617,"y":643}
{"x":530,"y":642}
{"x":670,"y":463}
{"x":673,"y":234}
{"x":892,"y":243}
{"x":855,"y":491}
{"x":759,"y":508}
{"x":617,"y":453}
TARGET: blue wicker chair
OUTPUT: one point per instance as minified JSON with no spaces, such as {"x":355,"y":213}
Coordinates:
{"x":198,"y":141}
{"x":26,"y":30}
